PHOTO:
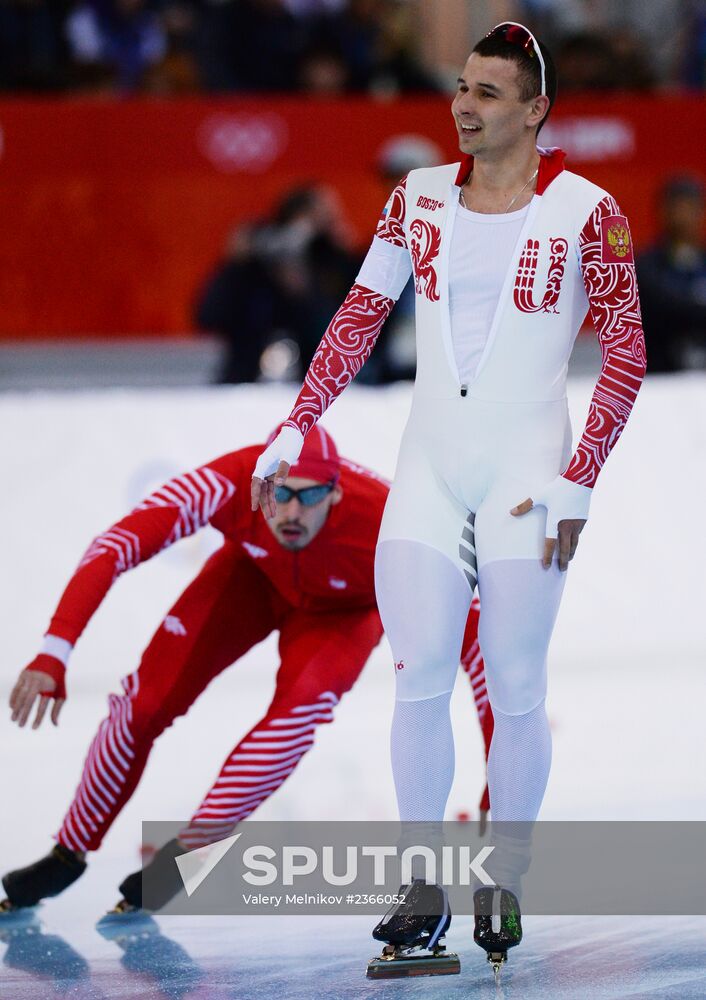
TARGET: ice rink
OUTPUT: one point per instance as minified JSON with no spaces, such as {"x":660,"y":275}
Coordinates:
{"x":627,"y":703}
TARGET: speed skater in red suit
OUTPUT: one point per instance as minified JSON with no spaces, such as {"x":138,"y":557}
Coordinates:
{"x":307,"y":573}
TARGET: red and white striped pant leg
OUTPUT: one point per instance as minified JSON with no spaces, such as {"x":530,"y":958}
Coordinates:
{"x":322,"y":656}
{"x":257,"y":767}
{"x":474,"y":667}
{"x":113,"y":766}
{"x":223,"y":612}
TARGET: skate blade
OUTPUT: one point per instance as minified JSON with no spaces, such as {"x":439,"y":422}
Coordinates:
{"x":447,"y":964}
{"x":122,"y":924}
{"x":497,"y":959}
{"x":17,"y":918}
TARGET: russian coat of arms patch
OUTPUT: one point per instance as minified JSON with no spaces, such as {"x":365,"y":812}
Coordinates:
{"x":616,"y":243}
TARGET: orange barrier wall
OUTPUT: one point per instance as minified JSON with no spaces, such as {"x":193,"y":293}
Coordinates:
{"x":113,"y":212}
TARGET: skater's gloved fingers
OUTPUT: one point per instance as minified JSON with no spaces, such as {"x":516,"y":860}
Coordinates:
{"x":569,"y":531}
{"x":26,"y":702}
{"x":265,"y":498}
{"x":36,"y":683}
{"x":522,"y":508}
{"x":16,"y":693}
{"x":262,"y":491}
{"x":19,"y":695}
{"x":55,"y":709}
{"x":282,"y":473}
{"x":44,"y":700}
{"x":271,"y":503}
{"x":258,"y":493}
{"x":548,"y":555}
{"x":268,"y":504}
{"x":564,"y":546}
{"x":255,"y":487}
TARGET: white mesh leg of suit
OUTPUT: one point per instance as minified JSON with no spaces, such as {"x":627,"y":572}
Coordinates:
{"x":423,"y":600}
{"x":519,"y":604}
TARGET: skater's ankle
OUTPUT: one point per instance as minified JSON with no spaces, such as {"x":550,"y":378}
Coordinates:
{"x":71,"y":852}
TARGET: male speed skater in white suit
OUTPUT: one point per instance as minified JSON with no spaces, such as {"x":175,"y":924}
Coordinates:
{"x":509,"y":250}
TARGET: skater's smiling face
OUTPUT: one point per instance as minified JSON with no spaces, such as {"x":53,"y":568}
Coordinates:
{"x":490,"y":109}
{"x":299,"y":520}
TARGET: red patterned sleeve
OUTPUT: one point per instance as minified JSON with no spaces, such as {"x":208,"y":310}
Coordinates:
{"x":607,"y":264}
{"x":390,"y":225}
{"x":175,"y":510}
{"x":352,"y":333}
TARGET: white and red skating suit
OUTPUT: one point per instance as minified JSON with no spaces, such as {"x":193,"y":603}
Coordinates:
{"x":321,"y":599}
{"x":573,"y":254}
{"x":488,"y":428}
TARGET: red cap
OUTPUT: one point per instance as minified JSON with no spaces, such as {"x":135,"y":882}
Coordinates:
{"x":319,"y":458}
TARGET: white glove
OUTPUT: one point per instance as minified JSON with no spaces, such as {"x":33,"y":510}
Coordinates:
{"x":564,"y":501}
{"x":286,"y":447}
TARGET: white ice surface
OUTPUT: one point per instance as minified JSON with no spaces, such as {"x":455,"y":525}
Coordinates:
{"x":627,"y":692}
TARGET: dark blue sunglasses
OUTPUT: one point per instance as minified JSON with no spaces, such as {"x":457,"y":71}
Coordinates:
{"x":308,"y":497}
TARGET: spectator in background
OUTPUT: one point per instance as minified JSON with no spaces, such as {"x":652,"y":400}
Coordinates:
{"x":322,"y":71}
{"x":236,"y":304}
{"x":33,"y":53}
{"x":598,"y":61}
{"x":177,"y":74}
{"x":248,"y":46}
{"x":585,"y":61}
{"x":376,"y":41}
{"x":694,"y":47}
{"x":115,"y":42}
{"x":397,"y":66}
{"x":672,"y":277}
{"x":646,"y":37}
{"x":279,"y":282}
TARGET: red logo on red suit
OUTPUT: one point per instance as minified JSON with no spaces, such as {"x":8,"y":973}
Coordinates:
{"x":616,"y":244}
{"x":527,"y":272}
{"x":424,"y":247}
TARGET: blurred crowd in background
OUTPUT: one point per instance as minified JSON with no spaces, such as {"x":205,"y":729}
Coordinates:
{"x":172,"y":47}
{"x":280,"y":278}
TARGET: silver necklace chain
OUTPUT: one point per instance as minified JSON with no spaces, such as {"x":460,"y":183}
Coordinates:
{"x":512,"y":200}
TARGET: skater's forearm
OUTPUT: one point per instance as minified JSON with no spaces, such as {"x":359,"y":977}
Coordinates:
{"x":611,"y":286}
{"x":343,"y":351}
{"x":355,"y":328}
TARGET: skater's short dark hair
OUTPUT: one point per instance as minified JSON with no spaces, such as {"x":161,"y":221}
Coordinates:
{"x":529,"y":70}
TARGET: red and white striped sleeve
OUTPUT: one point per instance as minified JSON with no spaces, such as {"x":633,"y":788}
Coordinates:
{"x":177,"y":509}
{"x":608,"y":268}
{"x":354,"y":330}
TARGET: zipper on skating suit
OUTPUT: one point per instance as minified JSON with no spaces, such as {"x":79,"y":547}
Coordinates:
{"x":464,"y":390}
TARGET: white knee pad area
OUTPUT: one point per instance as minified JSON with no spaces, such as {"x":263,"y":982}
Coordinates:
{"x":423,"y":600}
{"x":519,"y":604}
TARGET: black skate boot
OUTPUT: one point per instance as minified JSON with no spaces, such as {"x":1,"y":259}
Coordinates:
{"x":498,"y":923}
{"x":47,"y":877}
{"x":164,"y":882}
{"x":413,"y":930}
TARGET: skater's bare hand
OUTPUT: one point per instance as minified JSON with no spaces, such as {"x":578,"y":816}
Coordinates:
{"x":262,"y":491}
{"x":567,"y":542}
{"x":272,"y":468}
{"x":32,"y":686}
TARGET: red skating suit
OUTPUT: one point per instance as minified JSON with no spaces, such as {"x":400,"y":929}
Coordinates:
{"x":321,"y":599}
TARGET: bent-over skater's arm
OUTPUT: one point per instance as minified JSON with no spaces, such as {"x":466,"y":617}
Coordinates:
{"x":177,"y":509}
